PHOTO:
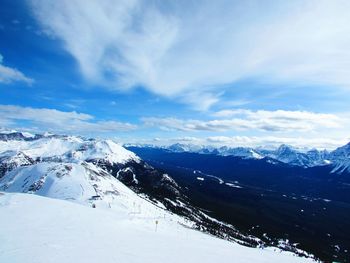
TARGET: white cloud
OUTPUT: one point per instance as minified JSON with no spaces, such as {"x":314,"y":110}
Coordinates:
{"x":175,"y":48}
{"x":58,"y":121}
{"x":8,"y":75}
{"x":200,"y":101}
{"x":269,"y":121}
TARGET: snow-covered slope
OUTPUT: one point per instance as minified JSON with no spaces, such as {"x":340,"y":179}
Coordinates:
{"x":67,"y":181}
{"x":11,"y":159}
{"x":39,"y":230}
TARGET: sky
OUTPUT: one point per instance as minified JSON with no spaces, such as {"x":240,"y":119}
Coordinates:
{"x":235,"y":73}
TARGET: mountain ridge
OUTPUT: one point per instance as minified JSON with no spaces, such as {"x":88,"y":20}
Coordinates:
{"x":339,"y":158}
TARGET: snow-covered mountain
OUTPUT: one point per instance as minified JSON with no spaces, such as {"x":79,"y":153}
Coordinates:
{"x":83,"y":183}
{"x":103,"y":174}
{"x":339,"y":159}
{"x":244,"y":152}
{"x":62,"y":167}
{"x":65,"y":148}
{"x":299,"y":157}
{"x":81,"y":168}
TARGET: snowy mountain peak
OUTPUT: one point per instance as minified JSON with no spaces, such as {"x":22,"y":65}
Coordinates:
{"x":106,"y":149}
{"x":244,"y":152}
{"x":65,"y":148}
{"x":284,"y":148}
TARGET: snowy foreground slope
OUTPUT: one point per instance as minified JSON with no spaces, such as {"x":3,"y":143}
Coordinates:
{"x":38,"y":229}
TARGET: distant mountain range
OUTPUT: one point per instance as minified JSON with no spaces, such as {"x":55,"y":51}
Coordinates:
{"x":339,"y":158}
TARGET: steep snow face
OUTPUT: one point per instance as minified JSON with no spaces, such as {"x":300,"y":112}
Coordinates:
{"x":341,"y":159}
{"x":82,"y":183}
{"x":9,"y":160}
{"x":67,"y":181}
{"x":57,"y":231}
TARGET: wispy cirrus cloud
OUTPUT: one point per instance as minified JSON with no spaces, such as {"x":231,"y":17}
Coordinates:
{"x":178,"y":48}
{"x":58,"y":121}
{"x":8,"y":74}
{"x":262,"y":120}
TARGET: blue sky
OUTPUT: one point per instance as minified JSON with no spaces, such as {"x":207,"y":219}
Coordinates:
{"x":224,"y":72}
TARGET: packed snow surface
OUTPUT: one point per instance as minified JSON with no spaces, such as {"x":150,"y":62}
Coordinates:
{"x":37,"y":229}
